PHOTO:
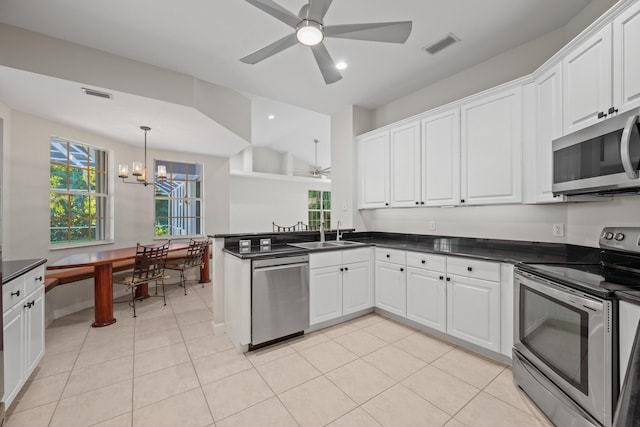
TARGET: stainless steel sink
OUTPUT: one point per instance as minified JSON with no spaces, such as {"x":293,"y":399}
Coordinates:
{"x":320,"y":245}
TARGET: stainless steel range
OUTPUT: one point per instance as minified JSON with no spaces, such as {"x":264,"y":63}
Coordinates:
{"x":565,"y":332}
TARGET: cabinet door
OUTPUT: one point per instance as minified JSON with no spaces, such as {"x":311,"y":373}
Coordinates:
{"x":357,"y":287}
{"x":441,"y":159}
{"x":473,"y":311}
{"x":13,"y":330}
{"x":391,"y":291}
{"x":34,"y":324}
{"x":629,"y":315}
{"x":405,"y":165}
{"x":427,"y":298}
{"x":626,"y":61}
{"x":373,"y":152}
{"x":492,"y":148}
{"x":548,"y":88}
{"x":587,"y":81}
{"x":325,"y":294}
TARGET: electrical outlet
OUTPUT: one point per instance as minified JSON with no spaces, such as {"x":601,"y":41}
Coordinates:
{"x":558,"y":230}
{"x":432,"y":225}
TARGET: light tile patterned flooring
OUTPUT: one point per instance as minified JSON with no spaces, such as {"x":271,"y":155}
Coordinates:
{"x":166,"y":368}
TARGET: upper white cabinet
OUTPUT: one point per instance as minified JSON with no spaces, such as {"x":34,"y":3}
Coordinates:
{"x":373,"y":154}
{"x":548,"y":126}
{"x":626,"y":60}
{"x":405,"y":165}
{"x":441,"y":159}
{"x":587,"y":81}
{"x":491,"y":138}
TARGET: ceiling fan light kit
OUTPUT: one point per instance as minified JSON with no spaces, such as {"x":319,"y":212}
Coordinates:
{"x":310,"y":31}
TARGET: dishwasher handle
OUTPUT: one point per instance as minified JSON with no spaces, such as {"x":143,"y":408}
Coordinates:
{"x":281,"y":266}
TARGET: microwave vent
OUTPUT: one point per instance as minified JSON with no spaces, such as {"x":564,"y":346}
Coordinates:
{"x":441,"y":44}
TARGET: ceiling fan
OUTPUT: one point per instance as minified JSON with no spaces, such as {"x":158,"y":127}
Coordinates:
{"x":310,"y":31}
{"x":315,"y":170}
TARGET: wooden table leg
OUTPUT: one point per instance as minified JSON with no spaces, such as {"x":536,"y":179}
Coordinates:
{"x":103,"y":295}
{"x":204,"y":271}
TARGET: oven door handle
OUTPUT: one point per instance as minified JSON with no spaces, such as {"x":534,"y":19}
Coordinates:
{"x":625,"y":150}
{"x":559,"y":293}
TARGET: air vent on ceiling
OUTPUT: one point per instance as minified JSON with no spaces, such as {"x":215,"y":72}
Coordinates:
{"x":97,"y":93}
{"x":443,"y":43}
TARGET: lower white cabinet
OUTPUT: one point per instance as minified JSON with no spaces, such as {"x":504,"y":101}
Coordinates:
{"x":339,"y":284}
{"x":427,"y":298}
{"x":473,"y":311}
{"x":23,"y":330}
{"x":391,"y":290}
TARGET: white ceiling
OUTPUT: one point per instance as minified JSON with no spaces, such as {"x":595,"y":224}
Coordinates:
{"x":205,"y":39}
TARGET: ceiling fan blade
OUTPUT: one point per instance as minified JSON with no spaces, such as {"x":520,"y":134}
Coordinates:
{"x":389,"y":32}
{"x":277,"y":11}
{"x":270,"y":50}
{"x":318,"y":9}
{"x":326,"y":64}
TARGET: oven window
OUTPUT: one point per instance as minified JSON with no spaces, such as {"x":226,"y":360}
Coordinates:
{"x":557,"y":333}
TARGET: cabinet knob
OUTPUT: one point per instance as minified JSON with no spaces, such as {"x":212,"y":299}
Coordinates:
{"x":39,"y":279}
{"x":461,"y":200}
{"x":422,"y":203}
{"x":469,"y":268}
{"x":16,"y":293}
{"x":613,"y":110}
{"x":388,"y":256}
{"x":341,"y":269}
{"x":601,"y":114}
{"x":386,"y":204}
{"x":401,"y":269}
{"x":441,"y":277}
{"x":417,"y":203}
{"x":424,"y":261}
{"x":448,"y":279}
{"x":30,"y":304}
{"x":346,"y":269}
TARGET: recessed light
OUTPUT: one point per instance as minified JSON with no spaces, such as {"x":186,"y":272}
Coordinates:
{"x":341,"y":65}
{"x":271,"y":117}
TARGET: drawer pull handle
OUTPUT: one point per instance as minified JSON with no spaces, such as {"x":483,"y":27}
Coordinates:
{"x":39,"y":279}
{"x":424,"y":261}
{"x":30,"y":304}
{"x":16,"y":293}
{"x":469,"y":268}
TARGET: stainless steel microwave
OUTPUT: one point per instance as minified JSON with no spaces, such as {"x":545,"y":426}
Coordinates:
{"x":603,"y":158}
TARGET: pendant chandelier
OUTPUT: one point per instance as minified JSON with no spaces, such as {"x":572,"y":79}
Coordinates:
{"x":139,"y":170}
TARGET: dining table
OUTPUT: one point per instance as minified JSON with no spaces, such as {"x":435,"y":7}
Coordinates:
{"x":102,"y":263}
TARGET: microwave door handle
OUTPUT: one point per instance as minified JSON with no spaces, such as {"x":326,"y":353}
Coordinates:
{"x":625,"y":154}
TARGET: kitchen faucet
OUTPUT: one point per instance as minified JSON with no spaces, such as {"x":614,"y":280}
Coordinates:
{"x":322,"y":231}
{"x":338,"y":234}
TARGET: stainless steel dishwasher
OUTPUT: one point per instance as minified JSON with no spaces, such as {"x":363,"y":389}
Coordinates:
{"x":279,"y":298}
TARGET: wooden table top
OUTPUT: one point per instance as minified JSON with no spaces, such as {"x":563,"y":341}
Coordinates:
{"x":104,"y":257}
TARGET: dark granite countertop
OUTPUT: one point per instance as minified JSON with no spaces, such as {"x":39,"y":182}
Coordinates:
{"x":16,"y":268}
{"x":486,"y":249}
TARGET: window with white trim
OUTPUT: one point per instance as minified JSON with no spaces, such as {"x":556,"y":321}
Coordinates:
{"x":319,"y":209}
{"x":78,"y":196}
{"x":179,"y":200}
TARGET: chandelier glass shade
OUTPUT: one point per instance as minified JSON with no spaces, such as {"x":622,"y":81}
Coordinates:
{"x":139,"y":169}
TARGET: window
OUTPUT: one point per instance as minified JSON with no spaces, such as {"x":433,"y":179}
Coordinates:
{"x":319,"y":209}
{"x":178,"y":200}
{"x":78,"y":201}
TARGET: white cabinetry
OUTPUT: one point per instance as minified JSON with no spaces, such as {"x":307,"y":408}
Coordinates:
{"x":587,"y":81}
{"x":391,"y":289}
{"x":373,"y":155}
{"x":427,"y":290}
{"x":405,"y":165}
{"x":473,"y":302}
{"x":491,"y":137}
{"x":629,"y":315}
{"x":548,"y":119}
{"x":339,"y":284}
{"x":626,"y":61}
{"x":441,"y":159}
{"x":23,"y":329}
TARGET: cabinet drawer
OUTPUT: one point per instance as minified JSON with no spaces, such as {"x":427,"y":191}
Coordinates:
{"x":473,"y":268}
{"x":34,"y":280}
{"x":12,"y":293}
{"x":356,"y":255}
{"x":427,"y":261}
{"x":325,"y":259}
{"x":391,"y":255}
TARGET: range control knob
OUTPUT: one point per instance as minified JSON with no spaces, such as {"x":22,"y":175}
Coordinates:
{"x":619,"y":237}
{"x":608,"y":235}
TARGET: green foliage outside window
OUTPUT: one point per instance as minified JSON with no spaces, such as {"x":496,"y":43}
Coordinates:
{"x":319,"y":209}
{"x":78,"y":192}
